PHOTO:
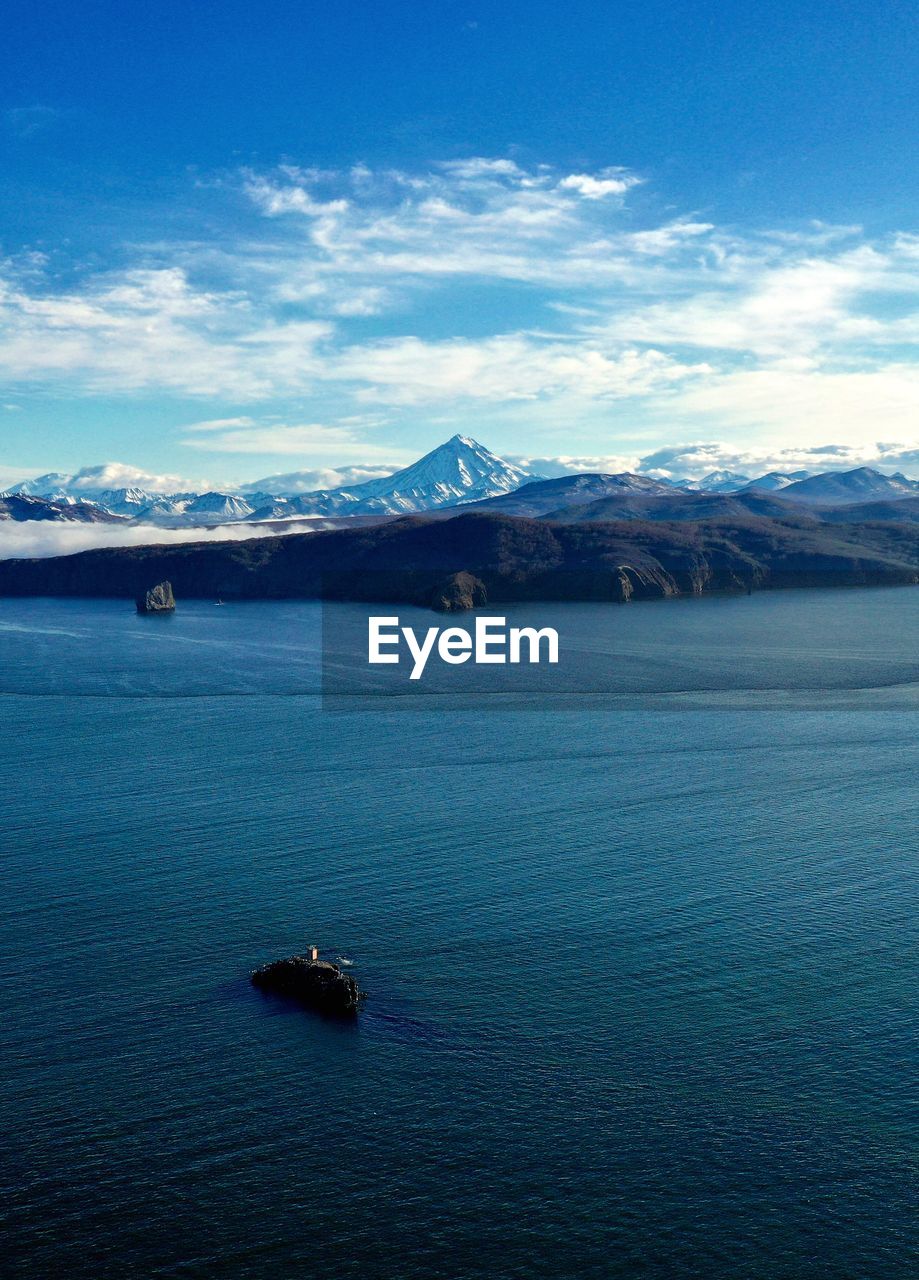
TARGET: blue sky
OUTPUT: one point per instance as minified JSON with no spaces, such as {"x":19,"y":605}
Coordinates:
{"x":247,"y":239}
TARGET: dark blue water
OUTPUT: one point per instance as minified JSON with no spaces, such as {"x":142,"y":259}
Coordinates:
{"x":643,"y":976}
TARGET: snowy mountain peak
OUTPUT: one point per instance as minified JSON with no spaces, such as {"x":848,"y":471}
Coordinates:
{"x":723,"y":482}
{"x":225,"y":505}
{"x":863,"y":484}
{"x":773,"y":481}
{"x":461,"y":470}
{"x":456,"y":472}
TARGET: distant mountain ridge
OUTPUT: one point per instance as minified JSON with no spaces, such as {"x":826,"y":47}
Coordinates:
{"x":458,"y":471}
{"x":538,"y":497}
{"x":586,"y":497}
{"x":863,"y":484}
{"x":24,"y":506}
{"x":773,"y":481}
{"x":715,"y":482}
{"x":461,"y":472}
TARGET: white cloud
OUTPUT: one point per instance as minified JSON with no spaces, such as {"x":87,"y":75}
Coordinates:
{"x":320,"y":478}
{"x":152,"y":329}
{"x":663,"y":240}
{"x":121,"y":475}
{"x":144,"y":328}
{"x":776,"y":309}
{"x":31,"y":539}
{"x":477,"y":167}
{"x":438,"y":287}
{"x":504,"y":368}
{"x":274,"y":200}
{"x":786,"y":405}
{"x":478,"y":216}
{"x":611,"y":182}
{"x":307,"y":439}
{"x":566,"y":465}
{"x":694,"y":460}
{"x":220,"y":424}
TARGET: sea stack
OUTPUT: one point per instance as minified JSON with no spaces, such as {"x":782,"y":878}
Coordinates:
{"x":158,"y":599}
{"x":315,"y":983}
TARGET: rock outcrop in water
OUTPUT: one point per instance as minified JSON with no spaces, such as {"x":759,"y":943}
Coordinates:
{"x":158,"y":599}
{"x":315,"y":983}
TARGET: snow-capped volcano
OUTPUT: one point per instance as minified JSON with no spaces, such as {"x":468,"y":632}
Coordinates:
{"x":461,"y":470}
{"x":457,"y":472}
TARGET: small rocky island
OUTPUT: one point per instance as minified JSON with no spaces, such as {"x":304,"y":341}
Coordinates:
{"x":158,"y":599}
{"x":315,"y":983}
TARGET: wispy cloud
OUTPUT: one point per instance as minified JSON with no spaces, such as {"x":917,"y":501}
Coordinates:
{"x":131,"y":331}
{"x":485,"y":281}
{"x":310,"y":480}
{"x":516,"y":366}
{"x":26,"y":122}
{"x":693,"y":460}
{"x":312,"y":439}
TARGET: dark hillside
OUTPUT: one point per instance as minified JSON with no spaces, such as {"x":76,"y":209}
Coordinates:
{"x":517,"y":559}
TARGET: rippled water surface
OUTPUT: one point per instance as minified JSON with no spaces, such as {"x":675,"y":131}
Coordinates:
{"x":642,"y":974}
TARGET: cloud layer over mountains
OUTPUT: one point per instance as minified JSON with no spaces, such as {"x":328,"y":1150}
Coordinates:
{"x":43,"y":538}
{"x":695,"y":460}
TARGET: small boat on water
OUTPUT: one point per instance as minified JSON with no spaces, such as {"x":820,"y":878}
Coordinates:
{"x":216,"y":602}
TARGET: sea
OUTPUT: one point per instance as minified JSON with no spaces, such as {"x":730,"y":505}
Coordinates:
{"x":640,"y":950}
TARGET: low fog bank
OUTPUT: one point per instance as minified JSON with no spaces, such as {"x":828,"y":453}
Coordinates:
{"x":31,"y":539}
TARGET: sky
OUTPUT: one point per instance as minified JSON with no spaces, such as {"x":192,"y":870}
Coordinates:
{"x":240,"y":240}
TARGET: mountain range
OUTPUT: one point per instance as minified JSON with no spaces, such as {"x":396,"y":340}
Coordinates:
{"x":460,"y":470}
{"x":22,"y":506}
{"x":459,"y":473}
{"x":853,"y":497}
